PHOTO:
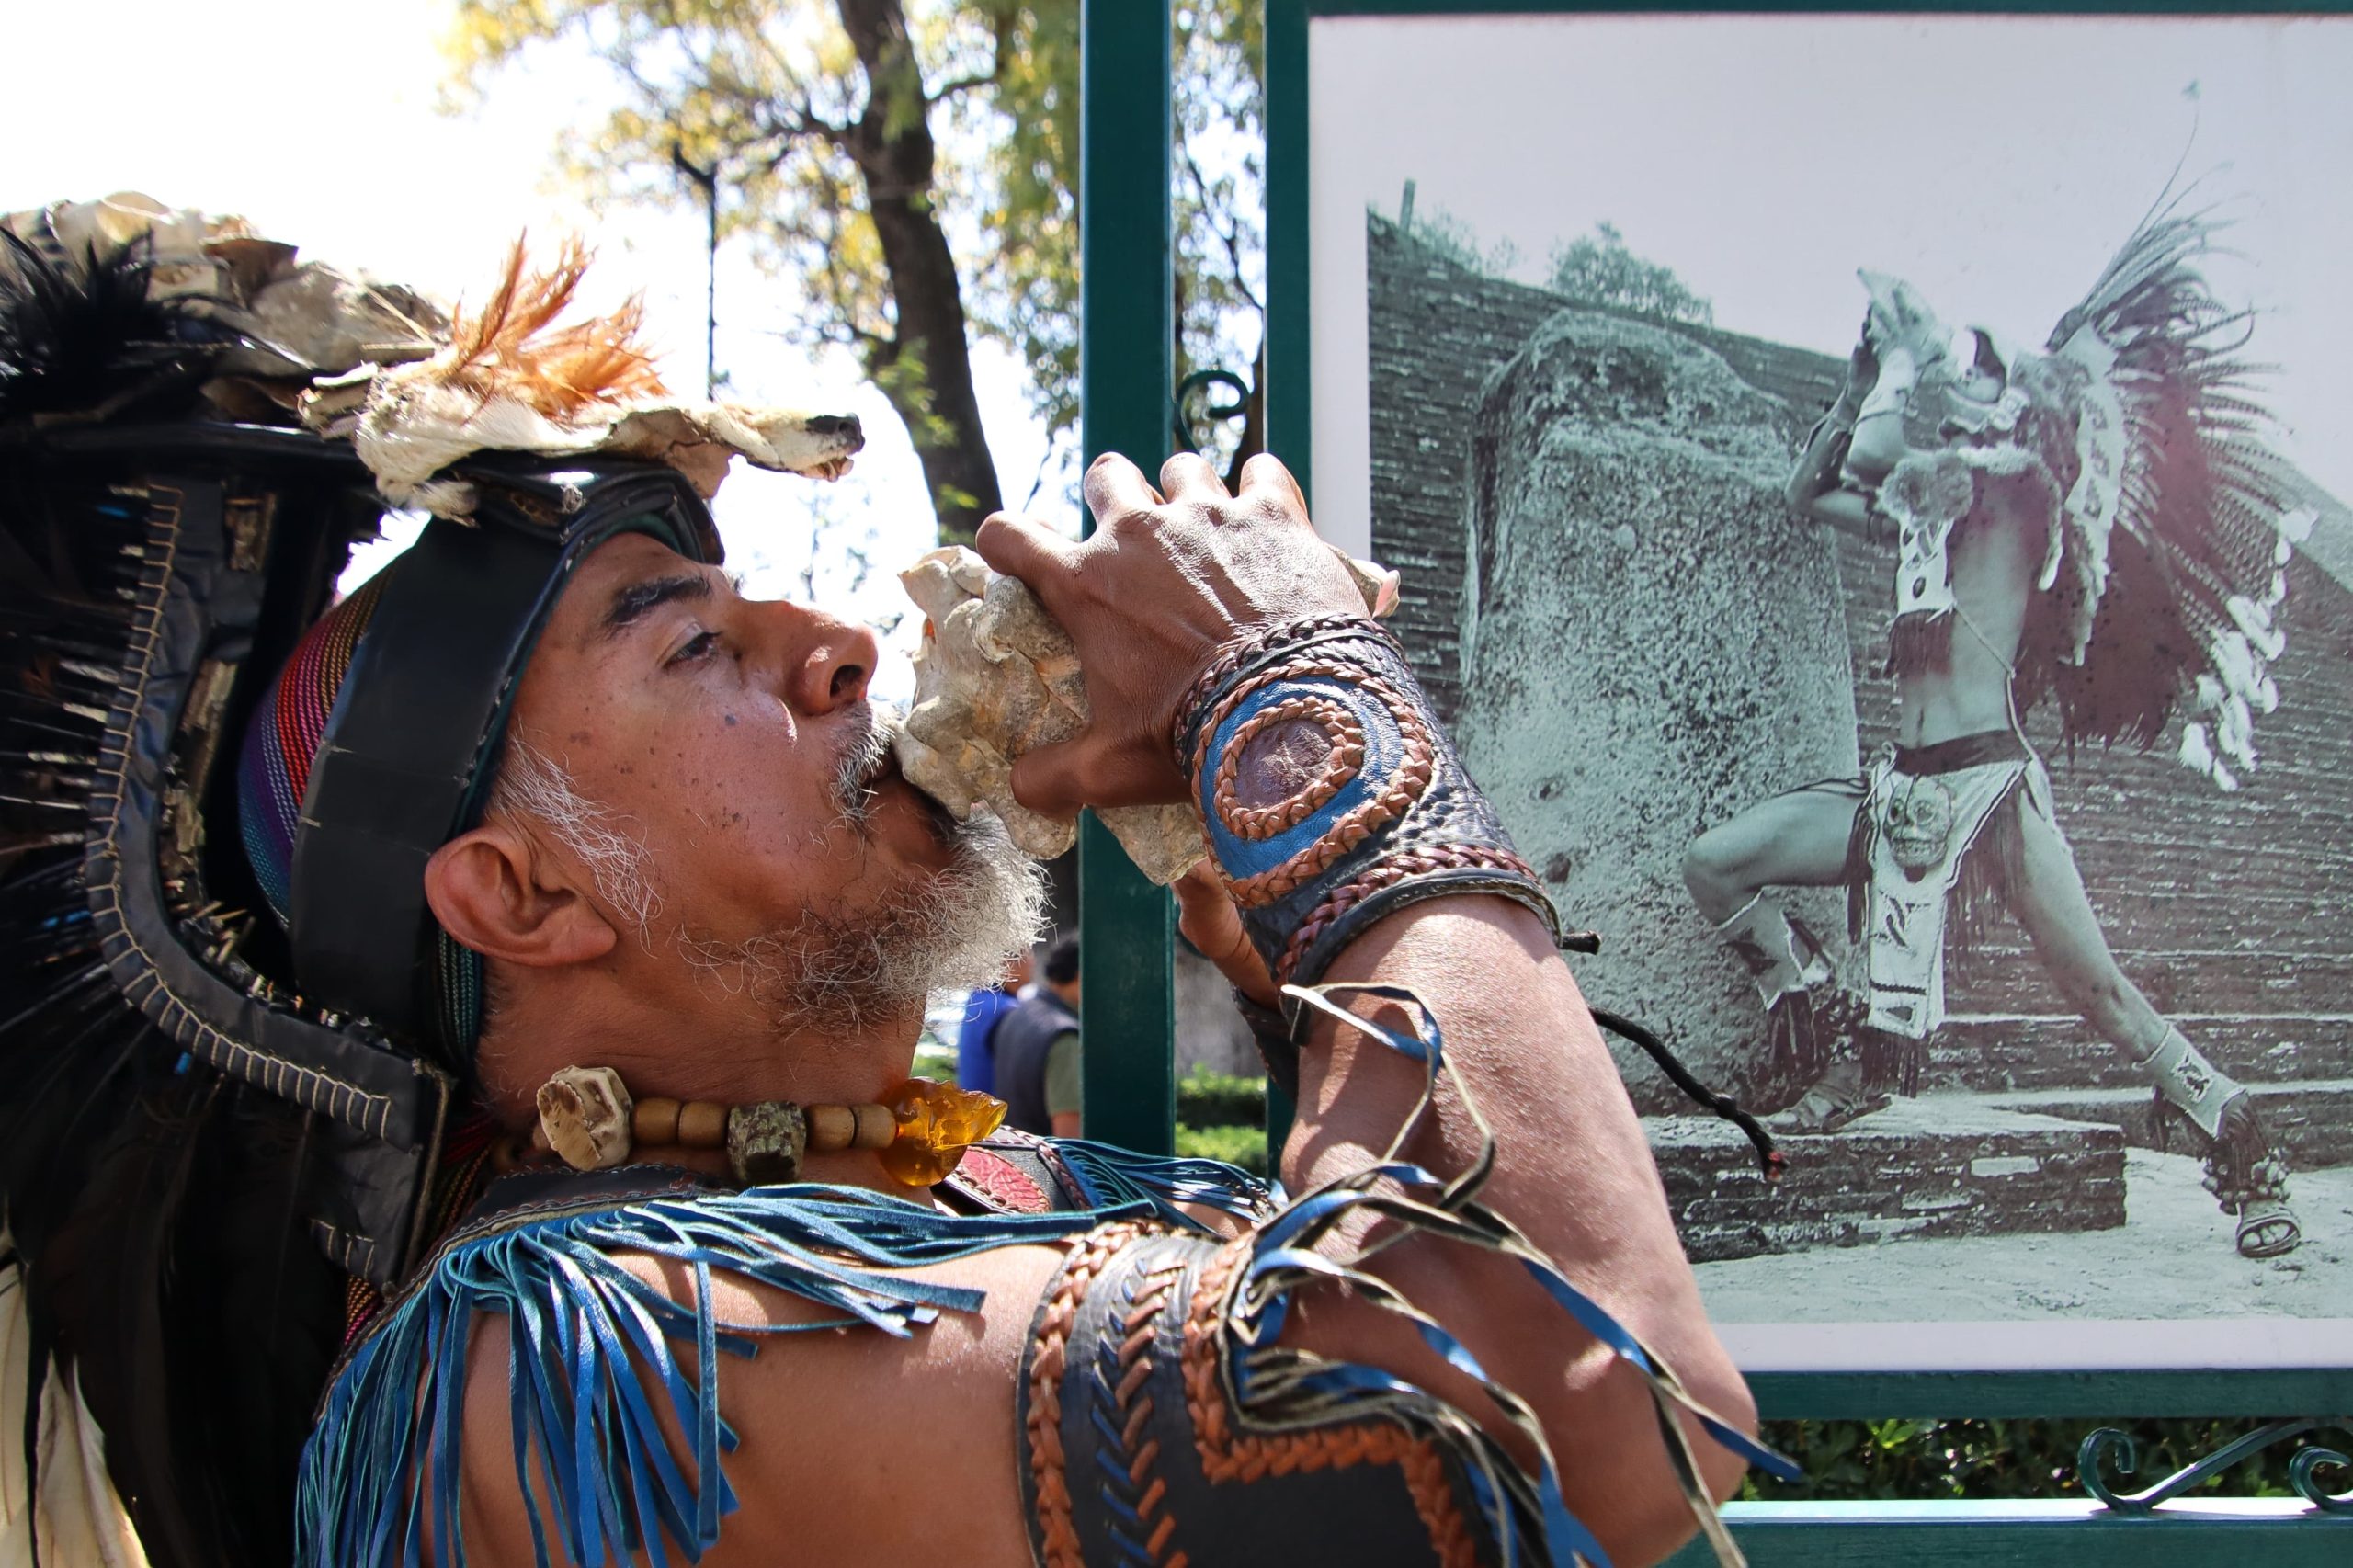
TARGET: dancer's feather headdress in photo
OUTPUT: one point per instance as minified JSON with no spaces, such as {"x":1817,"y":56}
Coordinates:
{"x":234,"y":1047}
{"x":2173,"y":517}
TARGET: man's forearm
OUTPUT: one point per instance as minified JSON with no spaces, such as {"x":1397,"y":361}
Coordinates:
{"x":1347,"y":843}
{"x":1571,"y":1172}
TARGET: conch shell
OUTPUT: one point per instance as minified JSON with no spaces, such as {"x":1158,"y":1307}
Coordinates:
{"x":996,"y":677}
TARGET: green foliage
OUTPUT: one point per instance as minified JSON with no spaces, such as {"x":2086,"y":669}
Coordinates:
{"x":1243,"y":1146}
{"x":1597,"y":270}
{"x":770,"y":95}
{"x":1851,"y":1460}
{"x":1221,"y":1099}
{"x":1438,"y":230}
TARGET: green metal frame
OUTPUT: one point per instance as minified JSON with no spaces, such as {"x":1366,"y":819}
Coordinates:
{"x":1812,"y":1395}
{"x":1127,"y":367}
{"x":2271,"y":1533}
{"x":1126,"y":374}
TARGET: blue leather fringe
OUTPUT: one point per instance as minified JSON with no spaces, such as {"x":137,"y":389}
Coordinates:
{"x":1109,"y":1175}
{"x":388,"y":1442}
{"x":1528,"y":1516}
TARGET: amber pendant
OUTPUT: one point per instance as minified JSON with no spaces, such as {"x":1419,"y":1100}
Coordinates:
{"x":936,"y":1122}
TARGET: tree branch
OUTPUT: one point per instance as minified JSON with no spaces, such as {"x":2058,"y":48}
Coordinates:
{"x":1229,"y":235}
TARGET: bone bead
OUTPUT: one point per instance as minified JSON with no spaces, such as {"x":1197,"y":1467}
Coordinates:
{"x":831,"y":1127}
{"x":655,"y":1120}
{"x":764,"y":1139}
{"x":703,"y":1124}
{"x":876,"y":1127}
{"x":584,"y":1112}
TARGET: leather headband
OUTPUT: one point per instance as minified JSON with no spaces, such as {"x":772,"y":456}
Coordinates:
{"x":421,"y":713}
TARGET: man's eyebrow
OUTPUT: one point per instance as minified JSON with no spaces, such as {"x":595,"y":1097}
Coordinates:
{"x":633,"y":603}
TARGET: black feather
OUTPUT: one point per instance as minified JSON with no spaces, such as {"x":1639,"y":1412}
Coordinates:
{"x":155,"y":1209}
{"x":81,"y":337}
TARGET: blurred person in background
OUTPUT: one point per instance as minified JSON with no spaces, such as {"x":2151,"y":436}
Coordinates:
{"x":1037,"y":1051}
{"x":984,"y":1009}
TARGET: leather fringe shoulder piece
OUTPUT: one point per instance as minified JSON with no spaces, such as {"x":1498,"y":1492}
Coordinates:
{"x":1165,"y":1420}
{"x":388,"y":1439}
{"x":1109,"y":1176}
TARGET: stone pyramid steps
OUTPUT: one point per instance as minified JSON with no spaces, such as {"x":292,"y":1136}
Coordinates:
{"x":1950,"y":1163}
{"x":1945,"y":1164}
{"x":2002,"y":977}
{"x":2048,"y":1051}
{"x":2310,"y":1119}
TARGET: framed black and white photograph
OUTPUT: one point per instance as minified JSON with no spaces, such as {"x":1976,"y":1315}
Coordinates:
{"x":1869,"y":493}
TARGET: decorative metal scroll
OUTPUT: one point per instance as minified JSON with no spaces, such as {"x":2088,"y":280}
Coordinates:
{"x":2302,"y":1470}
{"x":1195,"y":410}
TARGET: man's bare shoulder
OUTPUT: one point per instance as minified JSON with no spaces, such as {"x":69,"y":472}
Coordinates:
{"x":855,"y":1446}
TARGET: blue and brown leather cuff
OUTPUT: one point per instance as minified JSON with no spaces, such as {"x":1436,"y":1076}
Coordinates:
{"x":1329,"y":796}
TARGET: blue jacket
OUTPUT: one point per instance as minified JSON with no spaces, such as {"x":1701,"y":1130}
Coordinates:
{"x":975,"y":1051}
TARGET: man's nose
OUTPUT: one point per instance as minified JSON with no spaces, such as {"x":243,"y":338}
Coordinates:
{"x":828,"y":661}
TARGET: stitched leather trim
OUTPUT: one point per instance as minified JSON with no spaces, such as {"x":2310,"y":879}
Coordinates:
{"x":1242,"y":650}
{"x":1058,"y":1536}
{"x":1387,"y":873}
{"x":143,"y":985}
{"x":1146,"y":1490}
{"x":1385,"y":805}
{"x":1229,"y":1455}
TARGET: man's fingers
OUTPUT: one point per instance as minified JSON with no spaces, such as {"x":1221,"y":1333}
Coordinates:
{"x":1019,"y":548}
{"x":1114,"y":486}
{"x":1092,"y":770}
{"x":1188,"y":476}
{"x":1265,"y":475}
{"x":1205,"y":913}
{"x":1053,"y":780}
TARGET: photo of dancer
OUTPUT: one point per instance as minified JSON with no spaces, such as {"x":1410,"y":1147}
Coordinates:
{"x":2099,"y":526}
{"x":1883,"y":551}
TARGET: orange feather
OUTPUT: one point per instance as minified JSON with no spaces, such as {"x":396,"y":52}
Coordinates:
{"x":512,"y":348}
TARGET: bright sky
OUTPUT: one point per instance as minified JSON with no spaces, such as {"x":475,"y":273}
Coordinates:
{"x":320,"y":123}
{"x":1995,"y":163}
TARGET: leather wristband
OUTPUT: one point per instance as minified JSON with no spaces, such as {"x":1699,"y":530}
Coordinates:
{"x":1270,"y":1031}
{"x":1328,"y":795}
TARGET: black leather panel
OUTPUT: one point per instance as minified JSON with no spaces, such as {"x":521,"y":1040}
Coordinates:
{"x":1133,"y":1468}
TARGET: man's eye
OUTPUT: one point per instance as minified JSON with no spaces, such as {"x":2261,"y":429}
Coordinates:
{"x":699,"y":646}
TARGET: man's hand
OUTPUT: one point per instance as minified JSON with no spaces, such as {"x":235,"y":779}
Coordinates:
{"x":1205,"y":913}
{"x":1862,"y":372}
{"x":1169,"y":577}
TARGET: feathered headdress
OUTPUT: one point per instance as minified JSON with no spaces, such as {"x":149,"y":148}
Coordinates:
{"x":214,"y":1130}
{"x":2177,"y":519}
{"x":512,"y":377}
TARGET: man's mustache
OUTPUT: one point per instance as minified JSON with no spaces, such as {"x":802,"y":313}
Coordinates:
{"x":864,"y":752}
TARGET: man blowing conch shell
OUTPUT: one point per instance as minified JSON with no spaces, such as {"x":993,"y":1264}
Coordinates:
{"x":473,"y":1018}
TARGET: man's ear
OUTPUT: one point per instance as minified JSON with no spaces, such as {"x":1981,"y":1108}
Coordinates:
{"x":483,"y":890}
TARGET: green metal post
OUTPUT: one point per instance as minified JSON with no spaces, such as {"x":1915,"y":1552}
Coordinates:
{"x":1127,"y":927}
{"x":1289,"y":432}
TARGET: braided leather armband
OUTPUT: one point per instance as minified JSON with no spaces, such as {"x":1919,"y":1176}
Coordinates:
{"x":1328,"y":795}
{"x":1137,"y":1450}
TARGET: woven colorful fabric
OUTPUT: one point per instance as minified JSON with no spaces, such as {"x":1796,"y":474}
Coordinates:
{"x":284,"y":737}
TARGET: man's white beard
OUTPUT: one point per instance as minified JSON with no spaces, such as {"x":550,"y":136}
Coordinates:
{"x":843,"y":973}
{"x":821,"y":971}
